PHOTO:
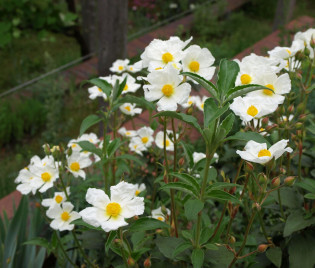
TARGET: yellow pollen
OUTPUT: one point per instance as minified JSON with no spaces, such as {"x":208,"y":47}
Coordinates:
{"x":168,"y":90}
{"x":160,"y":218}
{"x":158,"y":68}
{"x":288,"y":63}
{"x":65,"y":216}
{"x":128,"y":133}
{"x":75,"y":166}
{"x":202,"y":105}
{"x":167,"y":143}
{"x":252,"y":111}
{"x":190,"y":102}
{"x":113,"y":209}
{"x":44,"y":164}
{"x":194,"y":66}
{"x":128,"y":108}
{"x":137,"y":192}
{"x":73,"y":145}
{"x":131,"y":69}
{"x":167,"y":57}
{"x":46,"y":177}
{"x":268,"y":92}
{"x":58,"y":198}
{"x":99,"y":89}
{"x":261,"y":129}
{"x":264,"y":152}
{"x":288,"y":51}
{"x":145,"y":140}
{"x":126,"y":87}
{"x":135,"y":146}
{"x":121,"y":68}
{"x":246,"y":79}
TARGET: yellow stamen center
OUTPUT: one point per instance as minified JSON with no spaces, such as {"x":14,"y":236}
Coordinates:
{"x":58,"y":198}
{"x":268,"y":92}
{"x":73,"y":145}
{"x":145,"y":140}
{"x":202,"y":105}
{"x":131,"y":68}
{"x":128,"y":108}
{"x":128,"y":133}
{"x":158,"y":68}
{"x":137,"y":192}
{"x":46,"y":177}
{"x":121,"y":68}
{"x":167,"y":57}
{"x":288,"y":51}
{"x":113,"y":209}
{"x":246,"y":79}
{"x":168,"y":90}
{"x":167,"y":143}
{"x":99,"y":89}
{"x":126,"y":87}
{"x":135,"y":146}
{"x":65,"y":216}
{"x":194,"y":66}
{"x":261,"y":129}
{"x":264,"y":152}
{"x":75,"y":166}
{"x":252,"y":111}
{"x":160,"y":218}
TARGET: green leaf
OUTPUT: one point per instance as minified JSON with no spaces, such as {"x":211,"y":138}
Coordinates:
{"x":88,"y":122}
{"x":189,"y":119}
{"x":296,"y":222}
{"x":221,"y":195}
{"x":109,"y":240}
{"x":197,"y":258}
{"x":188,"y":153}
{"x":247,"y":136}
{"x":212,"y":111}
{"x":242,"y":90}
{"x":167,"y":245}
{"x":210,"y":87}
{"x":227,"y":74}
{"x":139,"y":101}
{"x":275,"y":256}
{"x":90,"y":147}
{"x":211,"y":246}
{"x":226,"y":126}
{"x":192,"y":208}
{"x":310,"y":196}
{"x":100,"y":83}
{"x":180,"y":248}
{"x":130,"y":157}
{"x":144,"y":224}
{"x":121,"y":88}
{"x":113,"y":147}
{"x":307,"y":184}
{"x":38,"y":241}
{"x":80,"y":222}
{"x":187,"y":178}
{"x":221,"y":185}
{"x":187,"y":188}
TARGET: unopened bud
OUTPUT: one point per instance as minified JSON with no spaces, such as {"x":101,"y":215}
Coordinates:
{"x":312,"y":43}
{"x":289,"y":181}
{"x":299,"y":133}
{"x":165,"y":178}
{"x":283,"y":170}
{"x":161,"y":121}
{"x":301,"y":107}
{"x":302,"y":117}
{"x":265,"y":122}
{"x":275,"y":182}
{"x":262,"y":248}
{"x":181,"y":161}
{"x":298,"y":125}
{"x":117,"y":241}
{"x":131,"y":262}
{"x":262,"y":178}
{"x":299,"y":56}
{"x":268,"y":128}
{"x":164,"y":210}
{"x":135,"y":217}
{"x":189,"y":111}
{"x":46,"y":149}
{"x":69,"y":152}
{"x":291,"y":109}
{"x":232,"y":190}
{"x":147,"y":262}
{"x":249,"y":166}
{"x":298,"y":76}
{"x":306,"y":52}
{"x":159,"y":231}
{"x":232,"y":239}
{"x":37,"y":204}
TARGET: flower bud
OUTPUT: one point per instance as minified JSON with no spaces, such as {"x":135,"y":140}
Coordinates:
{"x":69,"y":152}
{"x":275,"y":182}
{"x":117,"y":241}
{"x":181,"y":161}
{"x":298,"y":125}
{"x":302,"y":117}
{"x":232,"y":190}
{"x":161,"y":121}
{"x":289,"y":181}
{"x":312,"y":43}
{"x":262,"y":248}
{"x":291,"y":109}
{"x":232,"y":239}
{"x":299,"y":133}
{"x":265,"y":122}
{"x":268,"y":128}
{"x":46,"y":149}
{"x":262,"y":178}
{"x":299,"y":56}
{"x":131,"y":262}
{"x":283,"y":170}
{"x":147,"y":262}
{"x":163,"y":209}
{"x":158,"y":231}
{"x":249,"y":166}
{"x":37,"y":204}
{"x":189,"y":111}
{"x":301,"y":107}
{"x":306,"y":52}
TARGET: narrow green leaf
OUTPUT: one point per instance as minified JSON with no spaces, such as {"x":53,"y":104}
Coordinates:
{"x":247,"y":136}
{"x":38,"y":241}
{"x":192,"y":208}
{"x":227,"y":125}
{"x":211,"y":246}
{"x":130,"y":157}
{"x":188,"y":153}
{"x":180,"y":248}
{"x":197,"y":258}
{"x":221,"y":185}
{"x":187,"y":188}
{"x":90,"y":147}
{"x":145,"y":224}
{"x":221,"y":195}
{"x":40,"y":258}
{"x":212,"y":111}
{"x":310,"y":196}
{"x":307,"y":184}
{"x":227,"y":74}
{"x":189,"y":119}
{"x":109,"y":240}
{"x":210,"y":87}
{"x":187,"y":178}
{"x":121,"y":87}
{"x":113,"y":146}
{"x":115,"y":90}
{"x":100,"y":83}
{"x":88,"y":122}
{"x":137,"y":100}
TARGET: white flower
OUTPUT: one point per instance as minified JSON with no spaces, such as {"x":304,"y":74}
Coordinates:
{"x":62,"y":216}
{"x":285,"y":119}
{"x":165,"y":86}
{"x":159,"y":53}
{"x":248,"y":108}
{"x":258,"y":152}
{"x":127,"y":133}
{"x":304,"y":40}
{"x":159,"y":215}
{"x":159,"y":141}
{"x":198,"y":60}
{"x":287,"y":55}
{"x":91,"y":137}
{"x":76,"y":162}
{"x":47,"y":160}
{"x":25,"y":178}
{"x":130,"y":109}
{"x":119,"y":66}
{"x":134,"y":68}
{"x":198,"y":156}
{"x":201,"y":102}
{"x":146,"y":135}
{"x":192,"y":100}
{"x":136,"y":145}
{"x":59,"y":198}
{"x":131,"y":85}
{"x":110,"y":213}
{"x":96,"y":92}
{"x":139,"y":188}
{"x":280,"y":85}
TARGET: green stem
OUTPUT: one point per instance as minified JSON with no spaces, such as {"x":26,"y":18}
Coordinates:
{"x":81,"y":249}
{"x":220,"y":221}
{"x":121,"y":248}
{"x":251,"y":220}
{"x":64,"y":187}
{"x":280,"y":204}
{"x":262,"y":224}
{"x":106,"y":185}
{"x":64,"y":252}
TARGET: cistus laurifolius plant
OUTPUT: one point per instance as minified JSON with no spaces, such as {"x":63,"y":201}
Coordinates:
{"x":151,"y":196}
